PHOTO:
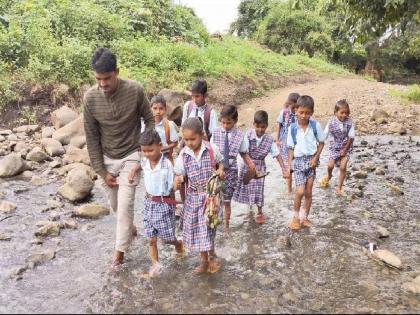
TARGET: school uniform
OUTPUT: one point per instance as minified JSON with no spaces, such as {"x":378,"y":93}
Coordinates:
{"x":158,"y":216}
{"x":259,"y":147}
{"x":304,"y":150}
{"x":173,"y":134}
{"x":199,"y":111}
{"x":341,"y":132}
{"x":198,"y":169}
{"x":230,"y":144}
{"x":285,"y":119}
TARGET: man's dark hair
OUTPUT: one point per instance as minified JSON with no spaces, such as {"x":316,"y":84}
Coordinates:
{"x":261,"y":117}
{"x":229,"y":111}
{"x":306,"y":101}
{"x":199,"y":86}
{"x":150,"y":137}
{"x":158,"y":99}
{"x":104,"y":60}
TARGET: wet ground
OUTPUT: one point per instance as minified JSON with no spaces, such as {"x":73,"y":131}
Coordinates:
{"x":266,"y":268}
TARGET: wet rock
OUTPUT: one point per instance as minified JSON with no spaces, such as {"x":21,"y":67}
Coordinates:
{"x":47,"y":132}
{"x":4,"y":237}
{"x":41,"y":257}
{"x":17,"y":271}
{"x":395,"y":189}
{"x":387,"y":257}
{"x":21,"y":146}
{"x":364,"y":143}
{"x":383,"y":232}
{"x":6,"y":132}
{"x":55,"y":164}
{"x":368,"y":166}
{"x":2,"y":138}
{"x":54,"y":216}
{"x":49,"y":229}
{"x":360,"y":175}
{"x":78,"y":142}
{"x":73,"y":129}
{"x":397,"y":128}
{"x":369,"y":289}
{"x":22,"y":136}
{"x":12,"y":165}
{"x":28,"y":174}
{"x":67,"y":168}
{"x":245,"y":296}
{"x":12,"y":137}
{"x":38,"y":181}
{"x":27,"y":129}
{"x":91,"y":211}
{"x":379,"y":115}
{"x":63,"y":116}
{"x":52,"y":147}
{"x":7,"y":206}
{"x":37,"y":155}
{"x":70,"y":224}
{"x":37,"y":241}
{"x":399,"y":179}
{"x":379,"y":171}
{"x":412,"y":286}
{"x":78,"y":185}
{"x":76,"y":155}
{"x":2,"y":195}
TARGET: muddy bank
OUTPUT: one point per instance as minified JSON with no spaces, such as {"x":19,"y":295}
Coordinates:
{"x":266,"y":269}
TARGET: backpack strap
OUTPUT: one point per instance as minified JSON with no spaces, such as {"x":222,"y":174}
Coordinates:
{"x":207,"y":114}
{"x":168,"y":138}
{"x":313,"y":126}
{"x":293,"y":130}
{"x":211,"y":153}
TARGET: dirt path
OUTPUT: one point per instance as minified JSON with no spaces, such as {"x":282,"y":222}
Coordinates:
{"x":363,"y":96}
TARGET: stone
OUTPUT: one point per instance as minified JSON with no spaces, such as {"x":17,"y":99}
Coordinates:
{"x":2,"y":138}
{"x":413,"y":286}
{"x":379,"y":171}
{"x":174,"y":102}
{"x":368,"y":166}
{"x":67,"y":168}
{"x":55,"y":164}
{"x":63,"y":116}
{"x":54,"y":216}
{"x":7,"y":206}
{"x":78,"y":142}
{"x":73,"y":129}
{"x":70,"y":224}
{"x":364,"y":143}
{"x":12,"y":165}
{"x":360,"y":175}
{"x":22,"y":136}
{"x":37,"y":241}
{"x":6,"y":132}
{"x":18,"y":270}
{"x":383,"y":232}
{"x":29,"y":129}
{"x":38,"y":181}
{"x":369,"y":289}
{"x":290,"y":296}
{"x":49,"y":229}
{"x":28,"y":174}
{"x":4,"y":237}
{"x":37,"y":155}
{"x":397,"y":128}
{"x":91,"y":211}
{"x":395,"y":189}
{"x":76,"y":155}
{"x":21,"y":146}
{"x":88,"y":227}
{"x":387,"y":257}
{"x":41,"y":257}
{"x":78,"y":185}
{"x":52,"y":147}
{"x":245,"y":296}
{"x":47,"y":132}
{"x":12,"y":137}
{"x":379,"y":115}
{"x":2,"y":194}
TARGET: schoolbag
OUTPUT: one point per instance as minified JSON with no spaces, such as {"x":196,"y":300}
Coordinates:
{"x":207,"y":113}
{"x":312,"y":124}
{"x":167,"y":129}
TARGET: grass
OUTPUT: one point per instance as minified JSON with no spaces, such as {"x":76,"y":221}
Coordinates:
{"x":412,"y":95}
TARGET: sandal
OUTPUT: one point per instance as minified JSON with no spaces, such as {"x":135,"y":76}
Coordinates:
{"x":324,"y":182}
{"x":294,"y":224}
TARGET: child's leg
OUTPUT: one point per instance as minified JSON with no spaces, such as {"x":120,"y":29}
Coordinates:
{"x":153,"y":250}
{"x":343,"y":173}
{"x":179,"y":246}
{"x":227,"y":212}
{"x":260,"y":219}
{"x":289,"y":184}
{"x":295,"y":223}
{"x":204,"y":263}
{"x":308,"y":200}
{"x":331,"y":164}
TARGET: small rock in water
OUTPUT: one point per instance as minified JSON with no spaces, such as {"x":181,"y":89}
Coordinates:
{"x":91,"y":211}
{"x":379,"y":171}
{"x":245,"y":296}
{"x":37,"y":241}
{"x":49,"y":229}
{"x":360,"y":175}
{"x":7,"y":207}
{"x":28,"y":174}
{"x":70,"y":224}
{"x":412,"y":286}
{"x":383,"y":232}
{"x":368,"y":166}
{"x":38,"y":181}
{"x":364,"y":142}
{"x":37,"y":155}
{"x":6,"y":132}
{"x":4,"y":237}
{"x":55,"y":164}
{"x":395,"y":189}
{"x":387,"y":257}
{"x":40,"y":257}
{"x":54,"y":216}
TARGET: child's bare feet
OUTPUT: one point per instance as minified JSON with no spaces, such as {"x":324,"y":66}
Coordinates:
{"x":294,"y":224}
{"x":154,"y":271}
{"x":133,"y":232}
{"x":260,"y":219}
{"x":117,"y":261}
{"x":179,"y":251}
{"x":214,"y":266}
{"x":340,"y":192}
{"x":306,"y":223}
{"x":202,"y":268}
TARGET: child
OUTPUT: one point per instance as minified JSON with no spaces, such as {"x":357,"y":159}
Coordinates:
{"x":159,"y":206}
{"x":198,"y":107}
{"x":197,"y":162}
{"x":305,"y":140}
{"x":231,"y":142}
{"x":286,"y":118}
{"x":260,"y":145}
{"x":341,"y":128}
{"x":165,"y":128}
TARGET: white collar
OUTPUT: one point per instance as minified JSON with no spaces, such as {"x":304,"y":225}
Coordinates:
{"x":157,"y":167}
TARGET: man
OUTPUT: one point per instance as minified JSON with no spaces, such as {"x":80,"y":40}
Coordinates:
{"x":112,"y":112}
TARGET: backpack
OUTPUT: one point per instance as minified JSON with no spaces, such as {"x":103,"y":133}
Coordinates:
{"x":312,"y":124}
{"x":167,"y":129}
{"x":207,"y":113}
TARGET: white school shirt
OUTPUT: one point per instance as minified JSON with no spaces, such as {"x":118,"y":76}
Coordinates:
{"x":281,"y":117}
{"x":274,"y":151}
{"x":179,"y":163}
{"x":244,"y":147}
{"x":158,"y":181}
{"x":173,"y":134}
{"x":306,"y":144}
{"x":213,"y":123}
{"x":327,"y":129}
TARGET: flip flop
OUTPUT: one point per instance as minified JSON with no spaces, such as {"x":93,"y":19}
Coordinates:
{"x":260,"y":219}
{"x":250,"y":174}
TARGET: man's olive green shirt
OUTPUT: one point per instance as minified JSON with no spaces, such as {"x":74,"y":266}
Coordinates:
{"x":112,"y":122}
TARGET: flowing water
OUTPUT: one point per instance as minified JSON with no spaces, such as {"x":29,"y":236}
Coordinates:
{"x":266,"y":268}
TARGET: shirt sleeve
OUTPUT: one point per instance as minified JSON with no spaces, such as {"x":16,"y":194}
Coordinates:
{"x":280,"y":118}
{"x":274,"y":151}
{"x":321,"y":134}
{"x":290,"y":143}
{"x":244,"y":148}
{"x":327,"y":130}
{"x":179,"y":168}
{"x":352,"y":133}
{"x":217,"y":155}
{"x":213,"y":121}
{"x":173,"y":133}
{"x":144,"y":110}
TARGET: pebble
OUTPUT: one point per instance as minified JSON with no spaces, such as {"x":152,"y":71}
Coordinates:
{"x":38,"y":181}
{"x":360,"y":175}
{"x":37,"y":241}
{"x":245,"y":296}
{"x":4,"y":237}
{"x":383,"y":232}
{"x":379,"y":171}
{"x":7,"y":207}
{"x":290,"y":296}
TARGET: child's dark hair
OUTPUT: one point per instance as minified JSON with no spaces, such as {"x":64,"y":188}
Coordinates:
{"x":261,"y":117}
{"x":229,"y":111}
{"x":104,"y":60}
{"x":292,"y":98}
{"x":150,"y":137}
{"x":158,"y":99}
{"x":199,"y":86}
{"x":340,"y":104}
{"x":193,"y":123}
{"x":306,"y":101}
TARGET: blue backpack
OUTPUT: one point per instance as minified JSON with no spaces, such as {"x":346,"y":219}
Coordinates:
{"x":312,"y":124}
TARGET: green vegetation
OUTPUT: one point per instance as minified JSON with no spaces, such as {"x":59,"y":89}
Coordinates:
{"x":412,"y":95}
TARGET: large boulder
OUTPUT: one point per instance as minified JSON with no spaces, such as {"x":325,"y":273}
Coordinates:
{"x":91,"y":211}
{"x":398,"y":128}
{"x":37,"y":155}
{"x":76,"y":155}
{"x":78,"y":185}
{"x":52,"y":147}
{"x":63,"y":116}
{"x":174,"y":102}
{"x":12,"y":165}
{"x":73,"y":129}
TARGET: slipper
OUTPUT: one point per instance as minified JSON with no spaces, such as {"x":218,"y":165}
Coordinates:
{"x":250,"y":174}
{"x":294,"y":225}
{"x":260,"y":219}
{"x":324,"y":182}
{"x":259,"y":175}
